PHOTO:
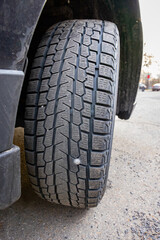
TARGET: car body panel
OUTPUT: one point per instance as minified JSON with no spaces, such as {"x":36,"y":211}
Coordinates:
{"x":10,"y":88}
{"x":18,"y":20}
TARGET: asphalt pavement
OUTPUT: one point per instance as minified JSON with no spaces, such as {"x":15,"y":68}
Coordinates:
{"x":130,"y":208}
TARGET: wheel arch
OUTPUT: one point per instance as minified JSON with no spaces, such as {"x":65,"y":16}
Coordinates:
{"x":125,"y":14}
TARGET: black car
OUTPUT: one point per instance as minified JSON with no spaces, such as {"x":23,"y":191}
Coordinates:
{"x":66,"y":69}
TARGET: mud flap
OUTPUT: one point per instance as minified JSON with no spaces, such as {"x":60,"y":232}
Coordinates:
{"x":10,"y":177}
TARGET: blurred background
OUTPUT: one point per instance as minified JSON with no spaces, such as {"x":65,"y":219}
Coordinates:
{"x":150,"y":74}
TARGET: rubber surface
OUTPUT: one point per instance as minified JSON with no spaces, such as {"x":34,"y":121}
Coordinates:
{"x":70,"y":109}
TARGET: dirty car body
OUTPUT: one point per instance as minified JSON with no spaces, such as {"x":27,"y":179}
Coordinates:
{"x":21,"y":25}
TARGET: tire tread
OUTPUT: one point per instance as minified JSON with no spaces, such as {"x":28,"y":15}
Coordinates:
{"x":70,"y":109}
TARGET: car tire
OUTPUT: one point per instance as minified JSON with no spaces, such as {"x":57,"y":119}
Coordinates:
{"x":70,"y":111}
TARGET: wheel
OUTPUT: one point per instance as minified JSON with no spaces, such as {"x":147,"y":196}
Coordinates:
{"x":70,"y":111}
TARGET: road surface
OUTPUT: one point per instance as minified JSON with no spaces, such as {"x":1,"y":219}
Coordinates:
{"x":130,"y":208}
